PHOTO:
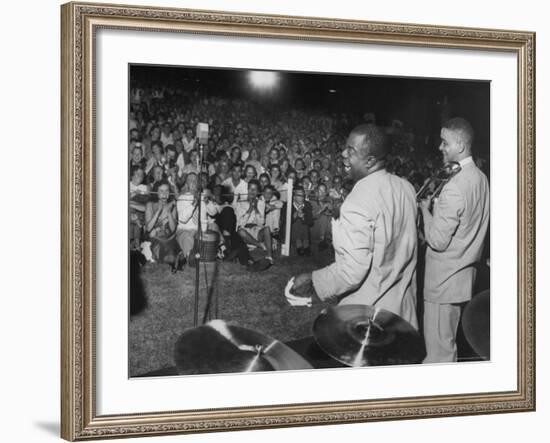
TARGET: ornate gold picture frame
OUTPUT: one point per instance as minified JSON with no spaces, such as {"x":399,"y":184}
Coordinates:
{"x":80,"y":22}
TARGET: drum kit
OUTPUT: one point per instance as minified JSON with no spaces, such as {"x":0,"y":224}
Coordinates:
{"x":343,"y":336}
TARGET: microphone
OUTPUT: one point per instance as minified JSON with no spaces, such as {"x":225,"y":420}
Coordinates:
{"x":202,"y":136}
{"x":202,"y":133}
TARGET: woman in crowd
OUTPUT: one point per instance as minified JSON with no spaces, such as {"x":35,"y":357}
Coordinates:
{"x":137,"y":157}
{"x":254,"y":161}
{"x":279,"y":182}
{"x":156,"y":176}
{"x":285,"y":167}
{"x":249,"y":173}
{"x":300,"y":168}
{"x":264,"y":180}
{"x":160,"y":225}
{"x":315,"y":178}
{"x":236,"y":159}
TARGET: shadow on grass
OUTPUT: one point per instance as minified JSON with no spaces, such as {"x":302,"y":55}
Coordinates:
{"x":251,"y":300}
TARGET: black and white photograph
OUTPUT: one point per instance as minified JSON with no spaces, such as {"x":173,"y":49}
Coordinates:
{"x":303,"y":220}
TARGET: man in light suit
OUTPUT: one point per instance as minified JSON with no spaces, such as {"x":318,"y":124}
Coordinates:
{"x":454,"y":233}
{"x":375,"y":237}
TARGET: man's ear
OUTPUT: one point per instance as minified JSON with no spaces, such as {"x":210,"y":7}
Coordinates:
{"x":370,"y":161}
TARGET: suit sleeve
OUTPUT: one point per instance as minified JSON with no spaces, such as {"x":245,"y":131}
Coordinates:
{"x":440,"y":228}
{"x":353,"y":235}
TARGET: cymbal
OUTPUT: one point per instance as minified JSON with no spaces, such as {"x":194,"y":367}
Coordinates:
{"x":219,"y":347}
{"x":476,"y":324}
{"x":361,"y":335}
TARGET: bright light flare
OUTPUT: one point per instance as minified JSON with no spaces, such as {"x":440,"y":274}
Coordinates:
{"x":263,"y":79}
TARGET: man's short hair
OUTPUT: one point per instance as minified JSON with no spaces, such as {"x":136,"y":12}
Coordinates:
{"x":159,"y":144}
{"x":375,"y":142}
{"x":463,"y":127}
{"x":225,"y":194}
{"x":134,"y":169}
{"x":255,"y":182}
{"x":220,"y":154}
{"x":160,"y":183}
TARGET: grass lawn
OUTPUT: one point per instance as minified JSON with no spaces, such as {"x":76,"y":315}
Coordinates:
{"x":252,"y":300}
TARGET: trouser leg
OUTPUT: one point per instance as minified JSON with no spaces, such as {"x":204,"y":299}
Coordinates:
{"x":440,"y":326}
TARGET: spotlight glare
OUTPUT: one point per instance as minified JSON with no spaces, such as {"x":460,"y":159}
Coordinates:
{"x":263,"y":79}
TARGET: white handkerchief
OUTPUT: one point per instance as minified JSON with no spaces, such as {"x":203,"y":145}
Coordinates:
{"x":294,"y":300}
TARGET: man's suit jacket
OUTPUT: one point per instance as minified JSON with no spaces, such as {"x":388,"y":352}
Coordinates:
{"x":455,"y":236}
{"x":375,"y":247}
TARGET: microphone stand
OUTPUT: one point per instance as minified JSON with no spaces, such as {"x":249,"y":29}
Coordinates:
{"x":199,"y":242}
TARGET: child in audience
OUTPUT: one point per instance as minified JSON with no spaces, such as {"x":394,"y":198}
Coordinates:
{"x":273,"y":208}
{"x":322,"y":214}
{"x":302,"y":220}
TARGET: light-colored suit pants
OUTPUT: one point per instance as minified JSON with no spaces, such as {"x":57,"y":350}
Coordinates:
{"x":440,"y":327}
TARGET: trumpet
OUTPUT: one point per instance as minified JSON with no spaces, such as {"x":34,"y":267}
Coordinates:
{"x":438,"y":181}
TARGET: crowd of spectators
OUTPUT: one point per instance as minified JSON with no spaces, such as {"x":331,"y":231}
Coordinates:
{"x":252,"y":155}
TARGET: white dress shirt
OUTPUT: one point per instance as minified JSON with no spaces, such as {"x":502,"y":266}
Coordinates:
{"x":239,"y":191}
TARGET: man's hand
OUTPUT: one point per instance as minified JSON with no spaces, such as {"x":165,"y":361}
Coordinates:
{"x":424,"y":204}
{"x":303,"y":285}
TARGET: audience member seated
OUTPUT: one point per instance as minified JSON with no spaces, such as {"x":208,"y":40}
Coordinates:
{"x":188,"y":217}
{"x":139,"y":195}
{"x":251,"y":220}
{"x":236,"y":185}
{"x":160,"y":225}
{"x":273,"y":208}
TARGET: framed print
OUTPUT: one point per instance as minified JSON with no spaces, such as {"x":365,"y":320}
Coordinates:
{"x":283,"y":221}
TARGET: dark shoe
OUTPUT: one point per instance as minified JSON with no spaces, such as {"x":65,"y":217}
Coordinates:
{"x":231,"y":255}
{"x":300,"y":251}
{"x":259,"y":266}
{"x":307,"y":251}
{"x":178,"y":264}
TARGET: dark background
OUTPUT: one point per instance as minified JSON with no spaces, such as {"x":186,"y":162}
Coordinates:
{"x":420,"y":103}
